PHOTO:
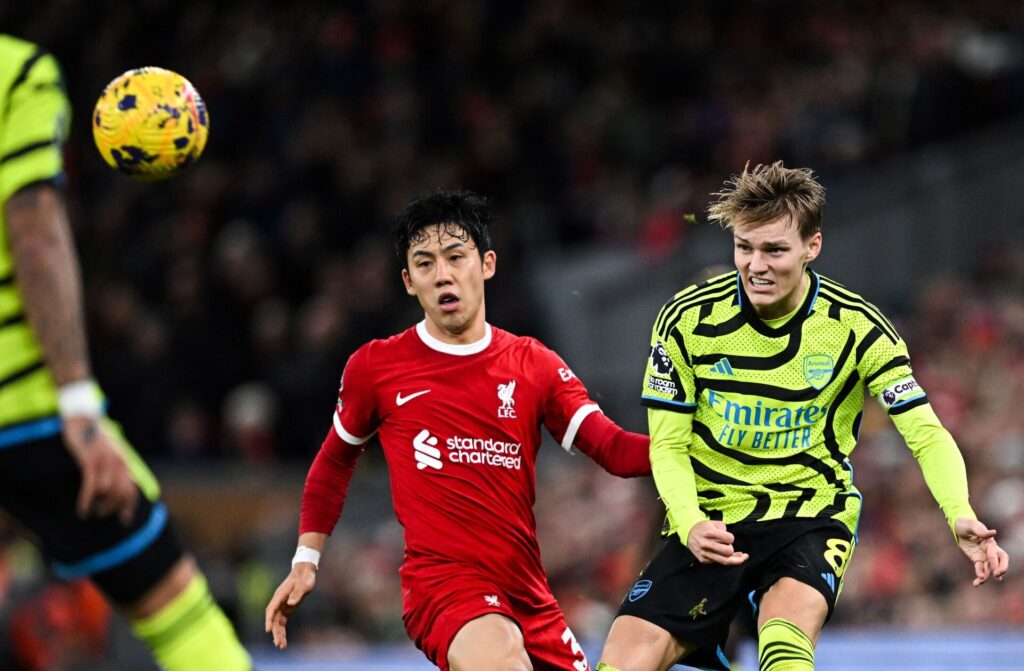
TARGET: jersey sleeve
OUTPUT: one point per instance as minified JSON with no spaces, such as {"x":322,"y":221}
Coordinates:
{"x":567,"y":402}
{"x":885,"y":369}
{"x":941,"y":462}
{"x":356,"y":417}
{"x":34,"y":125}
{"x":669,"y":382}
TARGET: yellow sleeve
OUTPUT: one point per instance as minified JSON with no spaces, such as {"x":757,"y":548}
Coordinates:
{"x":34,"y":125}
{"x":673,"y":473}
{"x":940,"y":459}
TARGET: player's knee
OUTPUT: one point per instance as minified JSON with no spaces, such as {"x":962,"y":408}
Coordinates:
{"x":166,"y":589}
{"x":783,"y":646}
{"x":635,"y":644}
{"x":507,"y":661}
{"x":491,"y":642}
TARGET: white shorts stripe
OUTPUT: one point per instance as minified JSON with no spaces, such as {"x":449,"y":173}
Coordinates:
{"x":345,"y":435}
{"x":574,"y":424}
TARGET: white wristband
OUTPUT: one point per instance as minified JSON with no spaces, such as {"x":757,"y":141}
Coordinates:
{"x":307,"y":555}
{"x":79,"y":399}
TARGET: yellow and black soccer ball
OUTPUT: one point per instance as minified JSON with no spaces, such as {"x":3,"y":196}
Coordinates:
{"x":150,"y":123}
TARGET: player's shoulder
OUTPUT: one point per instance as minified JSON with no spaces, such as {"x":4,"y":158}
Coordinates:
{"x":378,"y":350}
{"x":851,"y":308}
{"x":18,"y":57}
{"x":518,"y":345}
{"x":16,"y":49}
{"x":720,"y":289}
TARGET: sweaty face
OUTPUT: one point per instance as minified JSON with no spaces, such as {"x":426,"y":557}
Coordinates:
{"x":771,"y":259}
{"x":446,"y":274}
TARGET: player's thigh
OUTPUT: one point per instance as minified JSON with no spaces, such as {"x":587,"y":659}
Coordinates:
{"x":550,"y":642}
{"x":439,"y":600}
{"x":802,"y":581}
{"x":694,"y":603}
{"x":39,"y":483}
{"x":638,"y":645}
{"x":797,"y":603}
{"x":491,"y":641}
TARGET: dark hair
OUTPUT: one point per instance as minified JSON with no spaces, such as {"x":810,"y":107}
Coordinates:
{"x":460,"y":213}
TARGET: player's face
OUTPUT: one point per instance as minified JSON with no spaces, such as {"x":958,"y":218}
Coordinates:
{"x":446,"y":274}
{"x":771,"y":259}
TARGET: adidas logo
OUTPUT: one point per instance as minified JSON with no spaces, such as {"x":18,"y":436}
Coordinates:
{"x":830,"y":580}
{"x":723,"y":367}
{"x":425,"y":451}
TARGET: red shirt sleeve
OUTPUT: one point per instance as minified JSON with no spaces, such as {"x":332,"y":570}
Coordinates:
{"x":355,"y":420}
{"x":620,"y":452}
{"x":327,"y":484}
{"x":574,"y":420}
{"x":567,"y":402}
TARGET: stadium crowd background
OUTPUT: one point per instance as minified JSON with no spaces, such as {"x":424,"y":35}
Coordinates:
{"x":223,"y":304}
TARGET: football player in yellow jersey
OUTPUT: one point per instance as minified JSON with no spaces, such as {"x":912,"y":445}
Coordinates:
{"x":66,"y":473}
{"x":755,"y":387}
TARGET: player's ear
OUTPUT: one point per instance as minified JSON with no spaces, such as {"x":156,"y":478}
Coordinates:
{"x":813,"y":247}
{"x":490,"y":262}
{"x":407,"y":281}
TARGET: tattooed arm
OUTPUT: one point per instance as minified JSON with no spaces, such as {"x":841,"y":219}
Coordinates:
{"x":47,"y":273}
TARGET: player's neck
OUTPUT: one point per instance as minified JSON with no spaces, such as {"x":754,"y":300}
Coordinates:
{"x":470,"y":336}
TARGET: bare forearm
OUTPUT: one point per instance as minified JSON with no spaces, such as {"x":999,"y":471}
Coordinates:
{"x":313,"y":540}
{"x":47,"y":273}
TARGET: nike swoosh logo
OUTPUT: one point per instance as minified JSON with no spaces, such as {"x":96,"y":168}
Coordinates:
{"x":402,"y":400}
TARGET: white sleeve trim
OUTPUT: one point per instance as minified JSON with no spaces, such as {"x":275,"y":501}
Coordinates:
{"x":575,"y":423}
{"x":345,"y":435}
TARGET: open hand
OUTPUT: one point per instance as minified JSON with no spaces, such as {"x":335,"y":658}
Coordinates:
{"x":286,"y":599}
{"x":979,"y":544}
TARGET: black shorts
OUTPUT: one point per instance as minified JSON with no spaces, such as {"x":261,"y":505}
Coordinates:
{"x":697,"y":602}
{"x":39,"y":484}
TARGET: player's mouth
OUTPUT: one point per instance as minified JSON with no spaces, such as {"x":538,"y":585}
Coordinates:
{"x":760,"y":285}
{"x":448,"y":301}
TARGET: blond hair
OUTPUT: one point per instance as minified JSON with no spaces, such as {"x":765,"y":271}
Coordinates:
{"x":762,"y":194}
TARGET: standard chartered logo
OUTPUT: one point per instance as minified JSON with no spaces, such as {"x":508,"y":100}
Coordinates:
{"x":426,"y":452}
{"x":466,"y":450}
{"x":486,"y":451}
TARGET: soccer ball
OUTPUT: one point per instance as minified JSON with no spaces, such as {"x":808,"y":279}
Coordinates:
{"x":150,"y":123}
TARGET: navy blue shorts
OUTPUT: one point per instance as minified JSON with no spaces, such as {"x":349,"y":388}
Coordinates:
{"x":39,"y":483}
{"x":697,"y":602}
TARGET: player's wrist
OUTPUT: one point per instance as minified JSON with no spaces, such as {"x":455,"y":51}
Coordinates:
{"x":79,"y":399}
{"x":306,"y":555}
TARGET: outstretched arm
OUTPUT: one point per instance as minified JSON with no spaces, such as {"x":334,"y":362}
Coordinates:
{"x":946,"y":476}
{"x":620,"y":452}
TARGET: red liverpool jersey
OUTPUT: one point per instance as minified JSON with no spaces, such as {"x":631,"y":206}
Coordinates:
{"x":460,"y":428}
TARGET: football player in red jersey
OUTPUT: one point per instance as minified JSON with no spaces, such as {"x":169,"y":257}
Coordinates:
{"x":458,"y":406}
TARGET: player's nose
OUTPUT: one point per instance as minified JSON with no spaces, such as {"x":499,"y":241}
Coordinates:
{"x":758,"y":261}
{"x":442,"y":274}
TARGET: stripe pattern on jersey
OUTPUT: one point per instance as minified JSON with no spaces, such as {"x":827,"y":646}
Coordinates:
{"x":34,"y":122}
{"x":775,"y":411}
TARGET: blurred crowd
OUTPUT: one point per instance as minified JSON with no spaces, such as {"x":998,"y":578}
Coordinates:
{"x":224,"y":303}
